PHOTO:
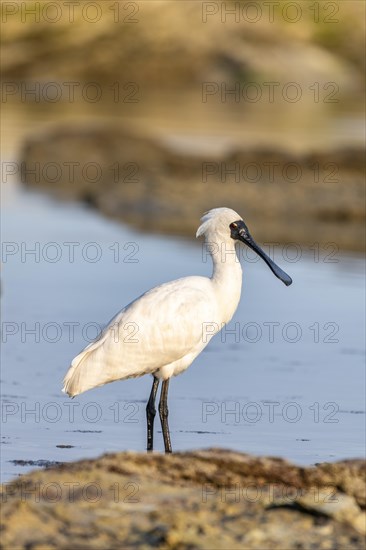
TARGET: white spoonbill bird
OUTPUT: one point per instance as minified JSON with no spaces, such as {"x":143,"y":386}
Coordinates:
{"x":169,"y":322}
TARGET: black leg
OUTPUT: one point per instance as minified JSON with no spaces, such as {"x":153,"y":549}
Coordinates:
{"x":150,"y":414}
{"x":163,"y":412}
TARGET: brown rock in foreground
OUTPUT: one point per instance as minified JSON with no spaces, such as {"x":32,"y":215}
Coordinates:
{"x":206,"y":499}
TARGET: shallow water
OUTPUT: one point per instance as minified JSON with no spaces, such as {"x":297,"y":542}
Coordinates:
{"x":296,"y":392}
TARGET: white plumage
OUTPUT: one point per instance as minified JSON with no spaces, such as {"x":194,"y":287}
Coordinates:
{"x":164,"y":330}
{"x":160,"y":331}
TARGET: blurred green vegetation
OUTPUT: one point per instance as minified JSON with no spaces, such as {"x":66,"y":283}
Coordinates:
{"x":169,"y":44}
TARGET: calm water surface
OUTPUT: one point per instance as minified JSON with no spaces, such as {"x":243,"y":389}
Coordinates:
{"x":286,"y":378}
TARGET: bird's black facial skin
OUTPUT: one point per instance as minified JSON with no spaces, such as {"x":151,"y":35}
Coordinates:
{"x":237,"y":229}
{"x":240,"y":232}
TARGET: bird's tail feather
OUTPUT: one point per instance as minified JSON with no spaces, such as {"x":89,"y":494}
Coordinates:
{"x":82,"y":375}
{"x":85,"y":374}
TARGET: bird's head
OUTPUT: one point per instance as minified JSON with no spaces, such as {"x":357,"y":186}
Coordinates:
{"x":225,"y":223}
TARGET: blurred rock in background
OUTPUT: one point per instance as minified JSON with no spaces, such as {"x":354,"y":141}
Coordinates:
{"x":182,"y":106}
{"x":155,"y":186}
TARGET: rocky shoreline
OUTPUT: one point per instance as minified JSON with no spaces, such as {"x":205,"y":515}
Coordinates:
{"x":291,"y":197}
{"x":203,"y":499}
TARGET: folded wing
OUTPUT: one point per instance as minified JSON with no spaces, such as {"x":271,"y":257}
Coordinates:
{"x":161,"y":327}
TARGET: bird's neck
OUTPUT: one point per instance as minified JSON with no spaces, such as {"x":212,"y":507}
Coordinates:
{"x":226,"y":276}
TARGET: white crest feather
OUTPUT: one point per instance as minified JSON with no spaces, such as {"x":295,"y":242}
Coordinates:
{"x":216,"y":219}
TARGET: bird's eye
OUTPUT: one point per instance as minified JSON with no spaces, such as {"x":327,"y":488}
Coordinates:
{"x":233,"y":226}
